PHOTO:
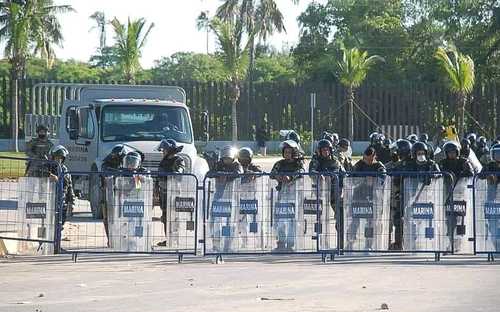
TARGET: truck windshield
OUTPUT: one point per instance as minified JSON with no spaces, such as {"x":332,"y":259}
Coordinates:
{"x":145,"y":123}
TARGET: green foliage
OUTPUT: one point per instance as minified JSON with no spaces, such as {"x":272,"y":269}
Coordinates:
{"x":459,"y":69}
{"x":275,"y":68}
{"x":354,"y":66}
{"x":130,"y":40}
{"x":405,"y":32}
{"x":188,"y":66}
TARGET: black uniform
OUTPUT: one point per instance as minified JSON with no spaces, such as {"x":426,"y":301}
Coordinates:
{"x":413,"y":165}
{"x":174,"y":164}
{"x":460,"y":167}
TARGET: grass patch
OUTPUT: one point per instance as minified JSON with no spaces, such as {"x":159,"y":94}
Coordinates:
{"x":11,"y":168}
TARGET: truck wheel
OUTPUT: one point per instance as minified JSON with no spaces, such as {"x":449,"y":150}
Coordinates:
{"x":95,"y":195}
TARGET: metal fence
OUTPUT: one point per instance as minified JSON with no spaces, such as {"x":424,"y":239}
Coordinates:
{"x":262,"y":214}
{"x":30,"y":205}
{"x":487,"y":214}
{"x":147,"y":213}
{"x":249,"y":214}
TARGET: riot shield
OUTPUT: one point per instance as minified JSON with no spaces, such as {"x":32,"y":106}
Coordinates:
{"x":459,"y":216}
{"x":329,"y":211}
{"x":178,"y":200}
{"x":252,"y":213}
{"x":222,"y":223}
{"x":366,"y":213}
{"x":129,"y":216}
{"x":36,"y":209}
{"x":288,"y":216}
{"x":424,"y":222}
{"x":487,"y":206}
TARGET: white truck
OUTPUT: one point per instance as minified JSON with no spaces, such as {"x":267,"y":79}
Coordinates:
{"x":97,"y":117}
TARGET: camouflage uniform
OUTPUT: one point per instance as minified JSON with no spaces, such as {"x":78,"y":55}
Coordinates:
{"x":69,"y":195}
{"x":38,"y":148}
{"x":283,"y":166}
{"x":344,"y":160}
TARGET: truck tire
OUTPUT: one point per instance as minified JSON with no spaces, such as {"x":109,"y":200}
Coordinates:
{"x":95,"y":196}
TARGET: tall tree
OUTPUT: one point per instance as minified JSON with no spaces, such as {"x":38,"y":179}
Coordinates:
{"x":234,"y":56}
{"x":259,"y":17}
{"x":100,"y":19}
{"x":27,"y":27}
{"x":352,"y":71}
{"x":460,"y":74}
{"x":130,"y":40}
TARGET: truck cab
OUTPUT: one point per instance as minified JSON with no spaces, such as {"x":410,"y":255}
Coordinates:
{"x":102,"y":116}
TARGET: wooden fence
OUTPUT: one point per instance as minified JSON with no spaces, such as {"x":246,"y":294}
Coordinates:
{"x":398,"y":110}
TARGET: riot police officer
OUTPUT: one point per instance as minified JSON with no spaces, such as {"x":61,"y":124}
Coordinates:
{"x":324,"y":160}
{"x":292,"y":162}
{"x":114,"y":160}
{"x":343,"y":154}
{"x":420,"y":160}
{"x":228,"y":162}
{"x":245,"y":157}
{"x":285,"y":172}
{"x":58,"y":154}
{"x":384,"y":151}
{"x":424,"y":138}
{"x":472,"y":137}
{"x":369,"y":163}
{"x":455,"y":163}
{"x":38,"y":149}
{"x":170,"y":163}
{"x":413,"y":138}
{"x":494,"y":164}
{"x":482,"y":149}
{"x":400,"y":155}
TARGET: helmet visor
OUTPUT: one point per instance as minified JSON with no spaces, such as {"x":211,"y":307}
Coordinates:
{"x":132,"y":162}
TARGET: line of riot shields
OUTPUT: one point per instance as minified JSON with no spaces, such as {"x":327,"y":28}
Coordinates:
{"x":30,"y":206}
{"x":255,"y":214}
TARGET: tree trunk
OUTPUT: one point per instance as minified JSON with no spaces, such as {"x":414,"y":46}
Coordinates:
{"x":14,"y":117}
{"x":234,"y":96}
{"x":350,"y":113}
{"x":463,"y":102}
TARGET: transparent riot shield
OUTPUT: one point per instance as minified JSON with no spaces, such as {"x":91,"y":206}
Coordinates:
{"x":222,"y":223}
{"x":329,"y":212}
{"x":252,"y":213}
{"x":424,"y":221}
{"x":178,"y":204}
{"x":36,"y":215}
{"x":459,"y":216}
{"x":129,"y":216}
{"x":487,"y":209}
{"x":288,"y":217}
{"x":366,"y":213}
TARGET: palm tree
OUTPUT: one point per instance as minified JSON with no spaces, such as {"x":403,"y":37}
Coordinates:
{"x":100,"y":20}
{"x":234,"y":58}
{"x":28,"y":27}
{"x":459,"y":70}
{"x":352,"y":71}
{"x":130,"y":40}
{"x":259,"y":17}
{"x":203,"y":23}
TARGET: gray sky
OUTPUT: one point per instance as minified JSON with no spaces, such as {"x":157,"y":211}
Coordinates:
{"x":175,"y":26}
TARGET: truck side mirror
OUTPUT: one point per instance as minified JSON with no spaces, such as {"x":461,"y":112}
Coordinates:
{"x":206,"y":125}
{"x":73,"y":123}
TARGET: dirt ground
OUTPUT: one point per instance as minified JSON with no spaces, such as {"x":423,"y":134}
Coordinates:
{"x":285,"y":283}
